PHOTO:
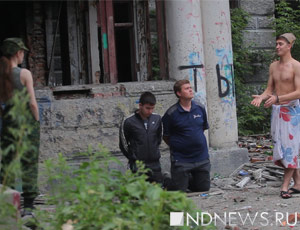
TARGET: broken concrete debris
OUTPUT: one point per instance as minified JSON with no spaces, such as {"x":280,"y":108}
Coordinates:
{"x":259,"y":172}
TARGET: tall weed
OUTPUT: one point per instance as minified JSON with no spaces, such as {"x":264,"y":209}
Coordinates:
{"x":20,"y":144}
{"x":95,"y":196}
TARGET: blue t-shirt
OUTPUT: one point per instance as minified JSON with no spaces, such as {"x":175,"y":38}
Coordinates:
{"x":185,"y":130}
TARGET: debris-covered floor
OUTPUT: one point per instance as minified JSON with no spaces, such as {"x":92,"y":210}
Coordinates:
{"x":249,"y":197}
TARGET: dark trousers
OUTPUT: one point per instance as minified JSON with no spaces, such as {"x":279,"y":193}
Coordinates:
{"x":29,"y":162}
{"x":190,"y":176}
{"x":154,"y":174}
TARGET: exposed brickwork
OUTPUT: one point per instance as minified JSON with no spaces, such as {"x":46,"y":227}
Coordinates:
{"x":107,"y":95}
{"x":36,"y":42}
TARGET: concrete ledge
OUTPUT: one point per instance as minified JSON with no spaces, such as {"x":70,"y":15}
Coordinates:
{"x":225,"y":161}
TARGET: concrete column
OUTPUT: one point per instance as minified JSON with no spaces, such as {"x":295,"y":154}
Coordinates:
{"x":221,"y":103}
{"x":185,"y":43}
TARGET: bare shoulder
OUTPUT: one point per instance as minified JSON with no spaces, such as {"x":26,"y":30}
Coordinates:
{"x":274,"y":64}
{"x":25,"y":76}
{"x":296,"y":64}
{"x":25,"y":72}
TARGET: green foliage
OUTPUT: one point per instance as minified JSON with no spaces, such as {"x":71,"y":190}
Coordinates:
{"x":251,"y":120}
{"x":288,"y":20}
{"x":20,"y":114}
{"x":95,"y":196}
{"x":241,"y":54}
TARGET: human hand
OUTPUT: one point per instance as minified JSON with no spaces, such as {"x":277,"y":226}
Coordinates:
{"x":132,"y":166}
{"x":256,"y":101}
{"x":272,"y":99}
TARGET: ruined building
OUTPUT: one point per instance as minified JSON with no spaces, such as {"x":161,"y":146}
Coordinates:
{"x":90,"y":61}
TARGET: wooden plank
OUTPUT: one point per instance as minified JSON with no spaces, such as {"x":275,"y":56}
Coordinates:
{"x":142,"y":55}
{"x":270,"y":177}
{"x":275,"y":172}
{"x":111,"y":43}
{"x":73,"y":43}
{"x":148,"y":37}
{"x":235,"y":172}
{"x":103,"y":24}
{"x":160,"y":17}
{"x":125,"y":24}
{"x":274,"y":167}
{"x":93,"y":49}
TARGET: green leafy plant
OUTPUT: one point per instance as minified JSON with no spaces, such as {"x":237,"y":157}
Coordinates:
{"x":96,"y":196}
{"x":287,"y":20}
{"x":20,"y":114}
{"x":251,"y":120}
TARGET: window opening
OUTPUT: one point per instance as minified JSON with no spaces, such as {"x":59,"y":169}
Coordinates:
{"x":124,"y":40}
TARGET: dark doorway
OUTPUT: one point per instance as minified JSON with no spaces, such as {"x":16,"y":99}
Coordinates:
{"x":12,"y":22}
{"x":12,"y":19}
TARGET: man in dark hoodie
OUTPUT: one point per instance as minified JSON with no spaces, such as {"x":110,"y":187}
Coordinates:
{"x":140,"y":137}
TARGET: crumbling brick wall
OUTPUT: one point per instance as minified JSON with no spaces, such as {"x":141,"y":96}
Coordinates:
{"x":37,"y":45}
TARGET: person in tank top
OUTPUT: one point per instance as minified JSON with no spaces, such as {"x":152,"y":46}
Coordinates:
{"x":13,"y":79}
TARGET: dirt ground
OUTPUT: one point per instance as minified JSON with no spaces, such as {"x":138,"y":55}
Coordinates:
{"x":263,"y":205}
{"x":257,"y":205}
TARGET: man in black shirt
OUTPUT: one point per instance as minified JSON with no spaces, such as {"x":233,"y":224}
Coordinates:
{"x":141,"y":135}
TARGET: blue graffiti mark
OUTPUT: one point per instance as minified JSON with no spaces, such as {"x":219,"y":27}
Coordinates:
{"x":44,"y":104}
{"x":200,"y":97}
{"x":225,"y":57}
{"x":225,"y":75}
{"x":194,"y":59}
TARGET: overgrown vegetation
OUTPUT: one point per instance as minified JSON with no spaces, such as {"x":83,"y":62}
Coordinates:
{"x":21,"y":115}
{"x":288,"y":20}
{"x":95,"y":196}
{"x":251,"y":120}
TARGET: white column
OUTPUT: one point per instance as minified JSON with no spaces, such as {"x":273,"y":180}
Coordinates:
{"x":185,"y":43}
{"x":219,"y":73}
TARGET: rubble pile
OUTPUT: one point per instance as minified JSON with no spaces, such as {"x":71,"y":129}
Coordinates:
{"x":259,"y":147}
{"x":259,"y":172}
{"x":252,"y":175}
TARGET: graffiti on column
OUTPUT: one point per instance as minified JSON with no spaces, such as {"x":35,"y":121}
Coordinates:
{"x":195,"y":59}
{"x":192,"y":13}
{"x":195,"y":9}
{"x":224,"y":69}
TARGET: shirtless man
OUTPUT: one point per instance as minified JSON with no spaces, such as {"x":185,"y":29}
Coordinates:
{"x":283,"y":93}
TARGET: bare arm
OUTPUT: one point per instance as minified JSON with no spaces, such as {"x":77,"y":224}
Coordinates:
{"x":268,"y":91}
{"x":26,"y":78}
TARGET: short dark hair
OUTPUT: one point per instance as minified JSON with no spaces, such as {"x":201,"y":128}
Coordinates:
{"x":147,"y":98}
{"x":178,"y":84}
